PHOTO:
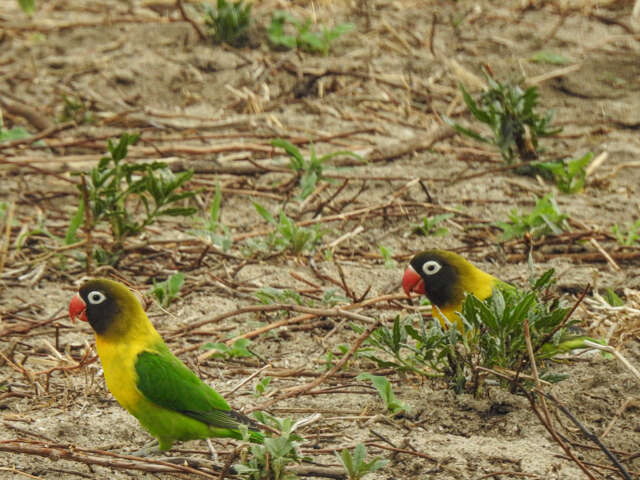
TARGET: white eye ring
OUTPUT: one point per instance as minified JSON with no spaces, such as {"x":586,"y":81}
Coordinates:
{"x":431,"y":267}
{"x":95,"y":297}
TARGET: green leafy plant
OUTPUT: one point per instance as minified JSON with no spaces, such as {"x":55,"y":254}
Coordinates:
{"x":287,"y":235}
{"x":27,"y":6}
{"x":271,"y":295}
{"x":544,"y":219}
{"x":383,"y":386}
{"x":211,"y":229}
{"x":303,"y":37}
{"x":309,"y":170}
{"x":612,"y":298}
{"x":387,"y":256}
{"x":272,"y":459}
{"x":355,"y":464}
{"x":262,"y":386}
{"x":492,"y":336}
{"x":114,"y":186}
{"x":550,"y":57}
{"x":15,"y":133}
{"x":75,"y":110}
{"x":510,"y":113}
{"x":629,"y":237}
{"x":429,"y":225}
{"x":569,"y":175}
{"x":167,"y":291}
{"x":229,"y":22}
{"x":238,"y":349}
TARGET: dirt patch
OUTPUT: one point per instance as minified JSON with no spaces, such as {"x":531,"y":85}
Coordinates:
{"x":139,"y":67}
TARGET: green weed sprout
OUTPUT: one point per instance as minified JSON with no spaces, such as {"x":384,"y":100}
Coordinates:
{"x":355,"y":464}
{"x":287,"y":235}
{"x":544,"y":219}
{"x":211,"y":229}
{"x":229,"y":22}
{"x":114,"y":187}
{"x":569,"y":175}
{"x":238,"y":349}
{"x":303,"y":37}
{"x":262,"y":386}
{"x":309,"y":170}
{"x":383,"y":386}
{"x":387,"y":256}
{"x":27,"y":6}
{"x":429,"y":225}
{"x":510,"y":113}
{"x":15,"y":133}
{"x":272,"y":459}
{"x":167,"y":291}
{"x":629,"y":237}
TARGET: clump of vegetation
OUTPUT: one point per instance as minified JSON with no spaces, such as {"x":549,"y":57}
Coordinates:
{"x":544,"y":219}
{"x":167,"y":291}
{"x":27,"y":6}
{"x":387,"y":255}
{"x":116,"y":189}
{"x":509,"y":111}
{"x":492,"y":336}
{"x":355,"y":463}
{"x":274,"y":458}
{"x":569,"y":175}
{"x":301,"y":36}
{"x":310,"y":171}
{"x":627,"y":235}
{"x":229,"y":22}
{"x":430,"y":225}
{"x":287,"y":236}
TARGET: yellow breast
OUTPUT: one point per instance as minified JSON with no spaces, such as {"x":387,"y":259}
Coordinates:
{"x":118,"y":363}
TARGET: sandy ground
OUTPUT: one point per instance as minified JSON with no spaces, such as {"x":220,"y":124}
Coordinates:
{"x":137,"y":66}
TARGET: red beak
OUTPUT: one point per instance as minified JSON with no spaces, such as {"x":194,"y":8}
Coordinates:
{"x":77,"y":308}
{"x":412,"y":282}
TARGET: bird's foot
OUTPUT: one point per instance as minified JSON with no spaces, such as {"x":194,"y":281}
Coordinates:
{"x":214,"y":455}
{"x":150,"y":448}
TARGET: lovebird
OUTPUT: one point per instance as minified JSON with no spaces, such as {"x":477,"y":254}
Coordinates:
{"x":445,"y":277}
{"x":154,"y":386}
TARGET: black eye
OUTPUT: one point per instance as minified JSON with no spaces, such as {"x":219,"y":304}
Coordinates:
{"x":96,"y":297}
{"x":431,"y":267}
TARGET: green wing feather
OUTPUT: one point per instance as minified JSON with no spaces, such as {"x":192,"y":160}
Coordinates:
{"x":167,"y":382}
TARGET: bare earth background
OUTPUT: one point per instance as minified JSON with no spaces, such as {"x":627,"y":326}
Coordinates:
{"x":139,"y":67}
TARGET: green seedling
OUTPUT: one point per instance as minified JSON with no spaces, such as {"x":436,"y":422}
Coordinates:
{"x":15,"y":133}
{"x":569,"y":175}
{"x":27,"y":6}
{"x":262,"y":386}
{"x":387,"y":256}
{"x":229,"y":22}
{"x":287,"y":235}
{"x":330,"y":356}
{"x":309,"y":170}
{"x":629,"y":237}
{"x":356,"y":466}
{"x":167,"y":291}
{"x":301,"y":36}
{"x":544,"y":219}
{"x":237,"y":350}
{"x":115,"y":189}
{"x":612,"y":298}
{"x":550,"y":57}
{"x":510,"y":114}
{"x":272,"y":459}
{"x":211,"y":229}
{"x":383,"y":386}
{"x":270,"y":295}
{"x":429,"y":225}
{"x":75,"y":110}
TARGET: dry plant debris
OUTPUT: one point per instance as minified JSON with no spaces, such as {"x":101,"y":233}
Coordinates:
{"x":75,"y":74}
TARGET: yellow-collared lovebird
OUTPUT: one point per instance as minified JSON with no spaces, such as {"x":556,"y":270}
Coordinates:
{"x":445,"y":277}
{"x":168,"y":399}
